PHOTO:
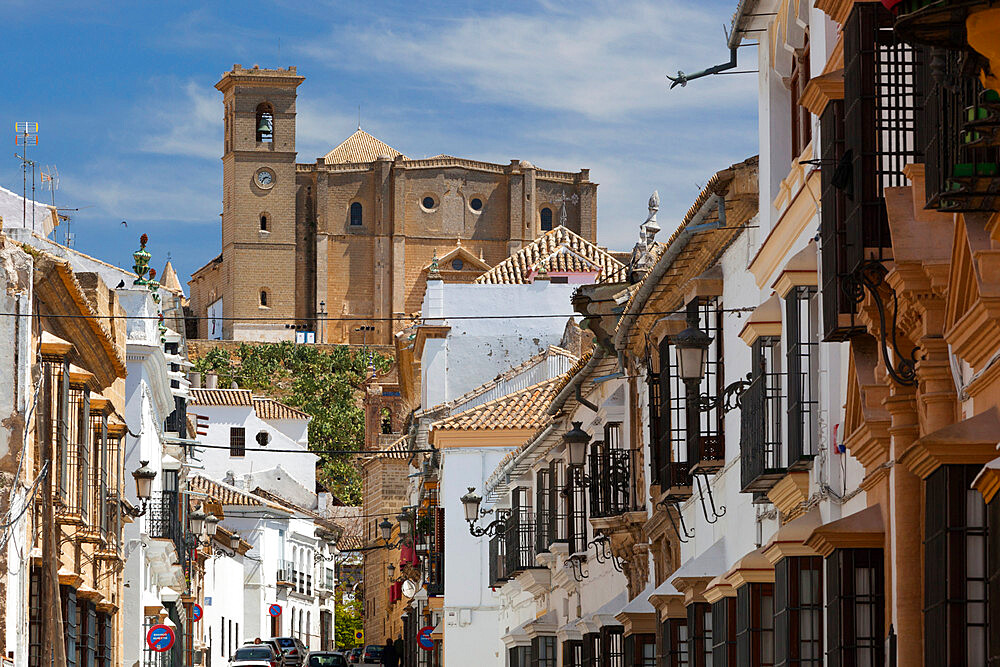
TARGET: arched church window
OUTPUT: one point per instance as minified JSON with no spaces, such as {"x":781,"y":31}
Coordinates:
{"x":263,"y":222}
{"x":356,"y":214}
{"x":263,"y":298}
{"x":265,"y":122}
{"x":546,"y":219}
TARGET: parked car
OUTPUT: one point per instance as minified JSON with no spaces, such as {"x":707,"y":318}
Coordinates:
{"x":268,"y":642}
{"x":293,"y":652}
{"x":254,"y":655}
{"x":327,"y":659}
{"x":372,"y":654}
{"x":354,"y":655}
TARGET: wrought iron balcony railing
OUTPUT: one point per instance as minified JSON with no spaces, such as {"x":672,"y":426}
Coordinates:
{"x":612,"y":478}
{"x":435,"y":573}
{"x":520,"y":533}
{"x":163,"y":517}
{"x":760,"y":449}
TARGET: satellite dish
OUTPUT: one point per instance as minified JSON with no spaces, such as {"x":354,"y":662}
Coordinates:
{"x":409,"y":588}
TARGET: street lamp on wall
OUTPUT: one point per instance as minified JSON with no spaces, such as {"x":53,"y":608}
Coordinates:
{"x":470,"y":503}
{"x":692,"y":354}
{"x":143,"y":477}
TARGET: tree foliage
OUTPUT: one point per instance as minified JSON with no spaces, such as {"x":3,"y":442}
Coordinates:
{"x":347,"y":621}
{"x":323,"y":382}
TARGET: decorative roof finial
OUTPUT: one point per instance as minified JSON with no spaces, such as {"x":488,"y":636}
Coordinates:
{"x":435,"y":271}
{"x":651,"y":228}
{"x":541,"y":271}
{"x":141,"y":257}
{"x":562,"y":214}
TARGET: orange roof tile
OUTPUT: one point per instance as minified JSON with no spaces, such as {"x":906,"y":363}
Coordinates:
{"x":360,"y":147}
{"x":268,"y":408}
{"x":221,"y":397}
{"x":523,"y":409}
{"x":560,"y":250}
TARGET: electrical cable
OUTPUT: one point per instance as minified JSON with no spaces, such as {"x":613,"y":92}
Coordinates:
{"x":324,"y":451}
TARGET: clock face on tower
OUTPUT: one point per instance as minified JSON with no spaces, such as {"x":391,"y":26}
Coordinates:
{"x":264,"y":178}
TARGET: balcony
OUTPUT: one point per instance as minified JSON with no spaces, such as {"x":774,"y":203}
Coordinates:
{"x":612,"y":478}
{"x":286,"y":575}
{"x":961,"y":123}
{"x":498,"y":551}
{"x":760,"y":447}
{"x":435,"y":573}
{"x":520,"y":538}
{"x":939,"y":23}
{"x":163,"y":517}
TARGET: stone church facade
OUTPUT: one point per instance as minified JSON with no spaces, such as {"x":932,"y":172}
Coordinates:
{"x":344,"y":244}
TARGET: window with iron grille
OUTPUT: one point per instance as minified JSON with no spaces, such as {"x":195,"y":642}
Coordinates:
{"x":237,"y":441}
{"x":98,"y":471}
{"x":761,"y":407}
{"x":707,"y":446}
{"x":838,"y":306}
{"x":855,"y":607}
{"x":724,"y":635}
{"x":798,"y":611}
{"x":959,"y":117}
{"x":801,"y":120}
{"x":612,"y":646}
{"x":640,"y":650}
{"x":572,"y":653}
{"x":105,"y":641}
{"x":543,"y":509}
{"x":86,"y":642}
{"x":611,"y":474}
{"x":802,"y":354}
{"x":498,"y":550}
{"x":69,"y":478}
{"x":653,"y":411}
{"x":671,"y":442}
{"x":592,"y":649}
{"x":955,"y":569}
{"x":70,"y":623}
{"x":880,"y":136}
{"x":36,"y":619}
{"x":674,"y":646}
{"x":577,"y":515}
{"x":519,"y":656}
{"x":755,"y":624}
{"x":993,"y":562}
{"x":700,"y":626}
{"x":543,"y":652}
{"x":558,"y":502}
{"x":520,"y":528}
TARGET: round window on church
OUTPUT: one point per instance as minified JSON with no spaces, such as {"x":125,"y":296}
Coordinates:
{"x":428,"y":203}
{"x":457,"y":264}
{"x":476,"y":204}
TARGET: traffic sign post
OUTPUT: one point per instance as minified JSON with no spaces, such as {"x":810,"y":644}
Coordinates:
{"x":274,"y":610}
{"x":424,"y":640}
{"x":160,"y":638}
{"x":196,"y":612}
{"x":360,"y":635}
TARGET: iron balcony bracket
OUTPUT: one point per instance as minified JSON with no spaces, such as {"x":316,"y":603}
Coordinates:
{"x":603,"y":552}
{"x":683,"y":535}
{"x":870,"y":277}
{"x":576,"y":563}
{"x":716,"y":513}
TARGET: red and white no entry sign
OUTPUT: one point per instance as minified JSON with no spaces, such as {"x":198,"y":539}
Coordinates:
{"x":160,"y":638}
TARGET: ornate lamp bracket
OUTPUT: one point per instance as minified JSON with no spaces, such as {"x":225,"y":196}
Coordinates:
{"x":870,"y":278}
{"x":490,"y":529}
{"x":728,"y":400}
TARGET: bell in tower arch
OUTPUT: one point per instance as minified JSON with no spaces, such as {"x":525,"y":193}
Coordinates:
{"x":265,"y":122}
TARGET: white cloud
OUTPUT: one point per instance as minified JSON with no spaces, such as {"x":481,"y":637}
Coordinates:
{"x":185,"y":122}
{"x":603,"y":60}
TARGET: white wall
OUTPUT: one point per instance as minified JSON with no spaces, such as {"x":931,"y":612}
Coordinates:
{"x":224,"y":587}
{"x":477,"y":350}
{"x":218,"y":462}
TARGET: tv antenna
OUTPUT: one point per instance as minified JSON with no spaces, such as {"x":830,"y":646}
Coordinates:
{"x":50,"y":176}
{"x":26,"y":134}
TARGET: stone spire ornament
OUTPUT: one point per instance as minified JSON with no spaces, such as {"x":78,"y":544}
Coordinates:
{"x":651,"y":228}
{"x":435,"y":271}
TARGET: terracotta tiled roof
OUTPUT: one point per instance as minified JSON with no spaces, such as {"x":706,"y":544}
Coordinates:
{"x":523,"y":409}
{"x":221,"y":397}
{"x":278,"y":500}
{"x":360,"y":147}
{"x":554,"y":350}
{"x":561,"y":251}
{"x":268,"y":408}
{"x":223,"y":493}
{"x":397,"y":450}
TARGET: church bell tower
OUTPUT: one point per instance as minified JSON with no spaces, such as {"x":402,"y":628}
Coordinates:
{"x":258,"y":202}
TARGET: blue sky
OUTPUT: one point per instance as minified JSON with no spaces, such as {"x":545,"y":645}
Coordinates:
{"x":128,"y":113}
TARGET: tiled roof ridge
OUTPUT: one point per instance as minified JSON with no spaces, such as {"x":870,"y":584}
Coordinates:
{"x":511,"y":372}
{"x":546,"y":248}
{"x":358,"y":148}
{"x":205,"y":483}
{"x":466,"y":420}
{"x":274,"y":498}
{"x":204,"y":396}
{"x":398,"y":449}
{"x":282,"y":407}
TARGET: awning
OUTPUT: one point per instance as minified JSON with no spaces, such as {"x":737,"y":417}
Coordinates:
{"x":972,"y":441}
{"x":987,"y":482}
{"x":799,"y":270}
{"x":861,"y":530}
{"x":691,"y":577}
{"x":765,"y":320}
{"x":790,"y":540}
{"x":639,"y":616}
{"x":752,"y":568}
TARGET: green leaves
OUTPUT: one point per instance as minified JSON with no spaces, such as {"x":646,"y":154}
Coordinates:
{"x":323,"y":382}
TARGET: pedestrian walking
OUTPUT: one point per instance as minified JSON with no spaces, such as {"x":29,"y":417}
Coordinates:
{"x":389,"y":657}
{"x":400,"y":653}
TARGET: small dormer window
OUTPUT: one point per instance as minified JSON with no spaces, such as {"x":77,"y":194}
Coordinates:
{"x":264,"y":122}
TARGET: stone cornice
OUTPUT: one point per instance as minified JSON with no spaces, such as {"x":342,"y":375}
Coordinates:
{"x":988,"y":481}
{"x":428,"y":331}
{"x":821,"y":90}
{"x":972,"y":441}
{"x":861,"y":530}
{"x":790,"y":492}
{"x":800,"y":209}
